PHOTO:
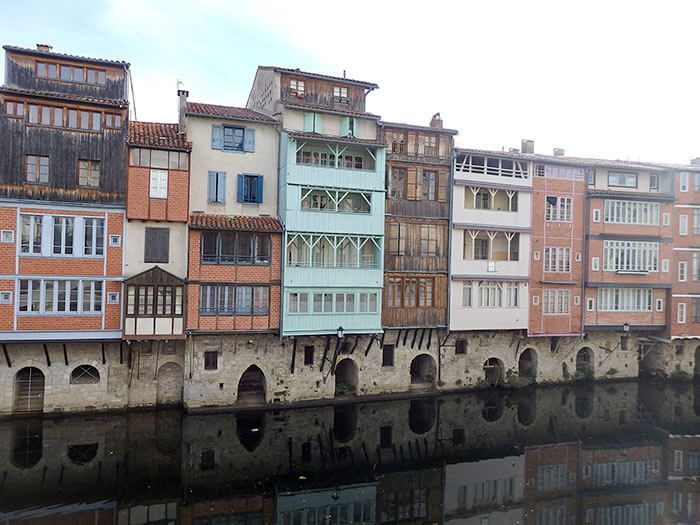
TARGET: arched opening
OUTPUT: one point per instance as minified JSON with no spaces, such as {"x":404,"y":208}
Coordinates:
{"x":27,"y":443}
{"x":251,"y":387}
{"x":421,"y":415}
{"x":169,"y":385}
{"x":84,"y":375}
{"x":493,"y":371}
{"x":344,"y":423}
{"x":346,"y":378}
{"x":423,"y":371}
{"x":493,"y":407}
{"x":82,"y":454}
{"x":584,"y":364}
{"x":527,"y":364}
{"x":527,"y":407}
{"x":697,"y":362}
{"x":583,"y":402}
{"x":29,"y":390}
{"x":250,"y":429}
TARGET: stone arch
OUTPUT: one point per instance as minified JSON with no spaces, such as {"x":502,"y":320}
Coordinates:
{"x":84,"y":375}
{"x":584,"y":363}
{"x":29,"y":390}
{"x":423,"y":371}
{"x":527,"y":364}
{"x":421,"y":415}
{"x":251,"y":386}
{"x":493,"y":406}
{"x":493,"y":371}
{"x":169,"y":384}
{"x":346,"y":378}
{"x":27,"y":442}
{"x":250,"y":429}
{"x":344,"y":423}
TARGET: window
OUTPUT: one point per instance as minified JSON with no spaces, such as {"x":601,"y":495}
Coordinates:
{"x":425,"y":292}
{"x":115,"y":121}
{"x":309,"y":355}
{"x":624,"y":180}
{"x":596,"y":215}
{"x":397,"y":143}
{"x":664,"y":265}
{"x":631,"y":212}
{"x":397,"y":238}
{"x":681,"y":313}
{"x":555,"y":302}
{"x":467,"y":300}
{"x":595,"y":264}
{"x":430,"y":146}
{"x":558,"y":209}
{"x":211,"y":360}
{"x":70,"y":73}
{"x":93,"y":239}
{"x":625,"y":299}
{"x":148,"y":158}
{"x":429,"y":185}
{"x":89,"y":173}
{"x":36,"y":169}
{"x":683,"y":182}
{"x":313,"y":123}
{"x":396,"y":182}
{"x":233,"y":138}
{"x":31,"y":234}
{"x":340,"y":94}
{"x":695,"y":267}
{"x":695,"y":310}
{"x":157,"y":247}
{"x":428,"y":240}
{"x":590,"y":304}
{"x":140,"y":300}
{"x":233,"y":300}
{"x":653,"y":181}
{"x":388,"y":355}
{"x":14,"y":109}
{"x":490,"y":294}
{"x":159,"y":184}
{"x":557,"y":259}
{"x":216,"y":186}
{"x":296,"y":87}
{"x":682,"y":271}
{"x":60,"y":296}
{"x":298,"y":303}
{"x":250,"y":188}
{"x":630,"y":256}
{"x":84,"y":375}
{"x":481,"y":249}
{"x":683,"y":225}
{"x":367,"y":302}
{"x":696,"y":221}
{"x":511,"y":295}
{"x":63,"y":235}
{"x":495,"y":166}
{"x":261,"y":300}
{"x":460,"y":346}
{"x":659,"y":305}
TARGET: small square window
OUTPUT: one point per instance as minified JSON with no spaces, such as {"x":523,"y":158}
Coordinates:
{"x":535,"y":300}
{"x":113,"y":298}
{"x":115,"y":240}
{"x":7,"y":236}
{"x":211,"y":360}
{"x":309,"y":355}
{"x":388,"y":355}
{"x":590,"y":304}
{"x":5,"y":297}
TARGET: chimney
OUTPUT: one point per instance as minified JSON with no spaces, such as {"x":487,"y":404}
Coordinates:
{"x":527,"y":146}
{"x":436,"y":121}
{"x":695,"y":161}
{"x":182,"y":95}
{"x":44,"y":48}
{"x":558,"y":152}
{"x":513,"y":150}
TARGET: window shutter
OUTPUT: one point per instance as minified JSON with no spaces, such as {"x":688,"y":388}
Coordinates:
{"x":412,"y":184}
{"x":308,"y":121}
{"x":442,"y":186}
{"x":355,"y":127}
{"x":221,"y":187}
{"x":344,"y":126}
{"x":318,"y":123}
{"x":217,"y":137}
{"x":259,"y":193}
{"x":249,"y":140}
{"x":211,"y":187}
{"x":241,"y":187}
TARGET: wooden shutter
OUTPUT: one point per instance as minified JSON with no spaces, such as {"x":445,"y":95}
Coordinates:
{"x":355,"y":127}
{"x":344,"y":126}
{"x":308,"y":121}
{"x":217,"y":137}
{"x":411,"y":139}
{"x":249,"y":140}
{"x":241,"y":188}
{"x":259,"y":192}
{"x":318,"y":123}
{"x":211,"y":186}
{"x":412,"y":184}
{"x":443,"y":148}
{"x":443,"y":178}
{"x":157,"y":247}
{"x":221,"y":186}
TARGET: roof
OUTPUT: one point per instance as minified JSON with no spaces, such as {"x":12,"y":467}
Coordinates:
{"x":204,"y":221}
{"x":326,"y":109}
{"x":61,"y":96}
{"x":419,"y":128}
{"x":333,"y":138}
{"x":157,"y":135}
{"x":369,"y":85}
{"x":228,"y":112}
{"x":36,"y":52}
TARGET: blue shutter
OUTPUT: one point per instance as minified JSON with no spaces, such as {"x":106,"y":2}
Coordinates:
{"x":308,"y":121}
{"x":241,"y":187}
{"x":217,"y":137}
{"x":344,"y":126}
{"x":221,"y":187}
{"x":259,"y":194}
{"x":211,"y":186}
{"x":249,"y":140}
{"x":354,"y":128}
{"x":318,"y":124}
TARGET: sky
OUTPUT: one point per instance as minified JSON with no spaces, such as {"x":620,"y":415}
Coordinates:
{"x":611,"y":79}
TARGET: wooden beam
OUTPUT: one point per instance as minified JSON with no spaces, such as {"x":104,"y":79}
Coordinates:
{"x":46,"y":354}
{"x":422,"y":335}
{"x":357,"y":338}
{"x":7,"y":355}
{"x":294,"y":354}
{"x":104,"y":360}
{"x":405,"y":336}
{"x":65,"y":355}
{"x":325,"y":352}
{"x":430,"y":336}
{"x":413,"y":341}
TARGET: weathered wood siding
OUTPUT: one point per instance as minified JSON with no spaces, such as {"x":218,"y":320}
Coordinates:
{"x":320,"y":93}
{"x":404,"y":317}
{"x":412,"y":260}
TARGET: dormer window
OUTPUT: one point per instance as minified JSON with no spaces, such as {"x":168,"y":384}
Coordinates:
{"x":70,"y":73}
{"x":296,"y":87}
{"x":340,"y":94}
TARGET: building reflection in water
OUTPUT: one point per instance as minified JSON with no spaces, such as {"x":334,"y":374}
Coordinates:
{"x":601,"y":453}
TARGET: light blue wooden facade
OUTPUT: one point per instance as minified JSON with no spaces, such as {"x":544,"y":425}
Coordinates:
{"x":352,"y":265}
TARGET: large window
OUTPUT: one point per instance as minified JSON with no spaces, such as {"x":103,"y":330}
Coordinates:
{"x":503,"y":167}
{"x":158,"y":187}
{"x":555,"y":302}
{"x":60,"y":296}
{"x":409,"y":292}
{"x":70,"y":73}
{"x":233,"y":300}
{"x":233,"y":138}
{"x":339,"y":201}
{"x":61,"y":236}
{"x":429,"y":240}
{"x":624,"y":180}
{"x":157,"y":245}
{"x":154,"y":300}
{"x":93,"y":239}
{"x":559,"y":172}
{"x":558,"y":209}
{"x":31,"y":234}
{"x":557,"y":259}
{"x":397,"y":238}
{"x":631,"y":212}
{"x":630,"y":256}
{"x":625,"y":299}
{"x":302,"y":303}
{"x":228,"y":247}
{"x":89,"y":173}
{"x":396,"y":181}
{"x":36,"y":169}
{"x":156,"y":158}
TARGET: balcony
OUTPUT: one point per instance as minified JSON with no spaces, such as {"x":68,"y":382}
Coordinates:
{"x":327,"y":176}
{"x":492,"y":170}
{"x":333,"y":276}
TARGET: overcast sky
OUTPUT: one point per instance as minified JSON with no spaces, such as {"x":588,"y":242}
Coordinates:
{"x":611,"y":79}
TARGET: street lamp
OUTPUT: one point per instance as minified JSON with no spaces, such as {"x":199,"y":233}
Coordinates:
{"x":340,"y":332}
{"x":626,"y":327}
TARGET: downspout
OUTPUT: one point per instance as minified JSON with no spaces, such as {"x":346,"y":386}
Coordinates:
{"x":283,"y":236}
{"x":584,"y":269}
{"x":449,"y":259}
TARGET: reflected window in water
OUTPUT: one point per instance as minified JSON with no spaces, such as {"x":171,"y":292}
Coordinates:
{"x":27,"y":443}
{"x":250,"y":429}
{"x":81,"y":454}
{"x":344,"y":423}
{"x":421,"y":415}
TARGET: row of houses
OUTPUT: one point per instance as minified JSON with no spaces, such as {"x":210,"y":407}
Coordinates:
{"x":302,"y":248}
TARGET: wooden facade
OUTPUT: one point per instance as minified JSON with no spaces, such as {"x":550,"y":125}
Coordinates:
{"x":155,"y":306}
{"x":416,"y":236}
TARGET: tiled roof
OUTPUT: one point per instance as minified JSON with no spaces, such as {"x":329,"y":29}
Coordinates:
{"x":333,"y":138}
{"x":420,"y":128}
{"x":323,"y":77}
{"x":326,"y":109}
{"x":36,"y":52}
{"x":229,"y":112}
{"x":157,"y":135}
{"x":205,"y":221}
{"x":62,"y":96}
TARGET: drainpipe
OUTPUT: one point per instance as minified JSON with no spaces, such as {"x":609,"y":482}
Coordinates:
{"x":449,"y":259}
{"x":584,"y":269}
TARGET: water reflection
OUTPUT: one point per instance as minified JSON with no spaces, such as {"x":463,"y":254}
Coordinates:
{"x":622,"y":452}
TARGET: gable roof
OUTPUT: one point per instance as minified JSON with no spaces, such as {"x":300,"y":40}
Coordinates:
{"x":157,"y":135}
{"x":51,"y":54}
{"x":228,"y":112}
{"x":368,"y":85}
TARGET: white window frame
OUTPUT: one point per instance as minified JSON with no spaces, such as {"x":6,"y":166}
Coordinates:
{"x":31,"y":219}
{"x":557,"y":259}
{"x":682,"y":271}
{"x":93,"y":252}
{"x":677,"y":460}
{"x":664,"y":265}
{"x":467,"y":294}
{"x":490,"y":294}
{"x":112,"y":297}
{"x":666,"y":218}
{"x":625,"y":299}
{"x":595,"y":264}
{"x":64,"y":286}
{"x":115,"y":240}
{"x":683,"y":182}
{"x":158,"y":184}
{"x":596,"y":215}
{"x":6,"y":297}
{"x":681,"y":313}
{"x":556,"y":302}
{"x":630,"y":256}
{"x":561,"y":212}
{"x":631,"y":212}
{"x":682,"y":225}
{"x":535,"y":300}
{"x":7,"y":236}
{"x":590,"y":304}
{"x":64,"y":220}
{"x":659,"y":305}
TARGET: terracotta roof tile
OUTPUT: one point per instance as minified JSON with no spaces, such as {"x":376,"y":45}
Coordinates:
{"x":330,"y":110}
{"x":204,"y":221}
{"x":333,"y":138}
{"x":323,"y":77}
{"x":157,"y":135}
{"x":230,"y":112}
{"x":62,"y":96}
{"x":36,"y":52}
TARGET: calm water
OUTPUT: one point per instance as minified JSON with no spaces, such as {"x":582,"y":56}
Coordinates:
{"x":614,"y":453}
